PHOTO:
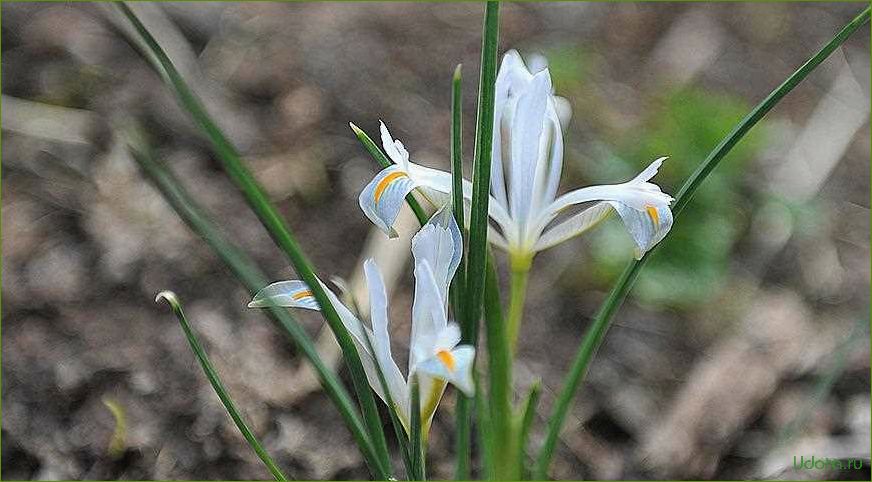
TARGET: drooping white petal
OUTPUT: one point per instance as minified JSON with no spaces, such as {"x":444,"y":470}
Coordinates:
{"x":454,"y":366}
{"x":440,"y":244}
{"x":635,"y":193}
{"x":647,"y":227}
{"x":643,"y":208}
{"x":429,"y":315}
{"x":381,"y":339}
{"x":573,"y":226}
{"x":290,"y":294}
{"x":359,"y":333}
{"x":382,"y":199}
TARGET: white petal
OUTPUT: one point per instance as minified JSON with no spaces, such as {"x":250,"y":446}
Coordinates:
{"x":429,"y":315}
{"x":647,"y":227}
{"x":440,"y":243}
{"x":526,"y":133}
{"x":291,"y":294}
{"x":635,"y":192}
{"x":573,"y":226}
{"x":563,"y":109}
{"x":381,"y":340}
{"x":449,"y":337}
{"x":650,"y":171}
{"x":643,"y":208}
{"x":382,"y":199}
{"x":455,"y":367}
{"x":393,"y":148}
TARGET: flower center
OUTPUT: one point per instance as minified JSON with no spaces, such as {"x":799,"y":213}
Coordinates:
{"x":653,"y":214}
{"x":384,"y":183}
{"x":447,"y":359}
{"x":302,"y":294}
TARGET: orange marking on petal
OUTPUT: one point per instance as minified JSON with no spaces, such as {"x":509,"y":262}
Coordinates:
{"x":384,"y":183}
{"x":302,"y":294}
{"x":653,"y":214}
{"x":447,"y":359}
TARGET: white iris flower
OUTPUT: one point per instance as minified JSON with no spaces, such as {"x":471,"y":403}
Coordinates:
{"x":525,"y":173}
{"x":435,"y":356}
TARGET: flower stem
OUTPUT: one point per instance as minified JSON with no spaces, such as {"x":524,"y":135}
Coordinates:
{"x":520,"y":269}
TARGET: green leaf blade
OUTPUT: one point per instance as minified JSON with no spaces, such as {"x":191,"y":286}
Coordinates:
{"x":217,"y":385}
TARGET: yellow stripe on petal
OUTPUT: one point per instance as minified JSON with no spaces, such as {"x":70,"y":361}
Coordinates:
{"x":653,"y":214}
{"x":301,"y":295}
{"x":384,"y":183}
{"x":447,"y":359}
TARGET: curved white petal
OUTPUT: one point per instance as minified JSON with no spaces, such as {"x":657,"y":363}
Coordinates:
{"x":440,"y":243}
{"x":290,"y":294}
{"x":643,"y":208}
{"x":393,"y":147}
{"x":647,"y":227}
{"x":453,"y":366}
{"x":573,"y":226}
{"x":636,"y":192}
{"x":429,"y":315}
{"x":381,"y":341}
{"x":382,"y":199}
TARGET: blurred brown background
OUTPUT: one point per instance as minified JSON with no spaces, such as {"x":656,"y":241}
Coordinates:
{"x":745,"y":342}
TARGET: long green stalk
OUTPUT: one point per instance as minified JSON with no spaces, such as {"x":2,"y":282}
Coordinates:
{"x":506,"y":448}
{"x":416,"y":434}
{"x":527,"y":417}
{"x":247,"y":272}
{"x":273,"y":222}
{"x":478,"y":226}
{"x":463,"y":431}
{"x":212,"y":375}
{"x":476,"y":260}
{"x":593,"y":338}
{"x":517,"y":296}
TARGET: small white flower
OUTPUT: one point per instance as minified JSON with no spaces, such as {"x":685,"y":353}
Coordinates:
{"x":435,"y":354}
{"x":525,"y":173}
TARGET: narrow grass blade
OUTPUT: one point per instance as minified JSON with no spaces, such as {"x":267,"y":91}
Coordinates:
{"x":597,"y":331}
{"x":416,"y":436}
{"x":477,"y":252}
{"x":247,"y":272}
{"x":476,"y":258}
{"x":463,"y":430}
{"x":212,"y":375}
{"x":506,"y":450}
{"x":383,"y":161}
{"x":526,"y":423}
{"x":483,"y":424}
{"x":272,"y":221}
